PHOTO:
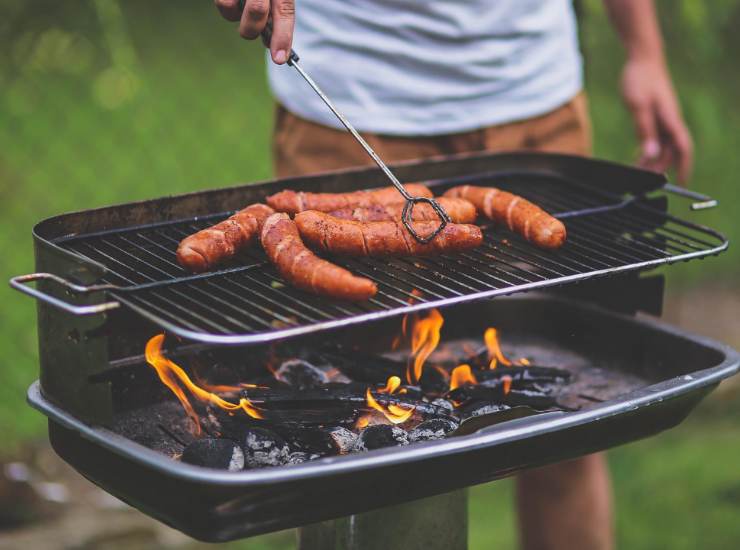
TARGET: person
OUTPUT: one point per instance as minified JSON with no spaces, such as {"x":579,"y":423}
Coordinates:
{"x":439,"y":77}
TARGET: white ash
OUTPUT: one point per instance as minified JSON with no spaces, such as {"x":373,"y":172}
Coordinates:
{"x":443,"y":404}
{"x":429,"y":430}
{"x":343,"y":438}
{"x":264,"y":448}
{"x":381,"y":435}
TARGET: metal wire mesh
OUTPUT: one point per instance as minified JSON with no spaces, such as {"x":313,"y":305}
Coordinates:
{"x":247,"y":301}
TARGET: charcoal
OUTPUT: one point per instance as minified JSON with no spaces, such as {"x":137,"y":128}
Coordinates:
{"x":381,"y":435}
{"x":222,"y":454}
{"x":526,"y":375}
{"x":344,"y":439}
{"x":435,"y":428}
{"x":319,"y":441}
{"x":301,"y":374}
{"x":335,"y":394}
{"x":263,"y":448}
{"x":443,"y":404}
{"x":480,"y":408}
{"x":434,"y":381}
{"x":297,"y":457}
{"x":364,"y":367}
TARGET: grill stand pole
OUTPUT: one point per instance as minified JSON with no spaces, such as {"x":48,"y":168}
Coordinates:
{"x":436,"y":523}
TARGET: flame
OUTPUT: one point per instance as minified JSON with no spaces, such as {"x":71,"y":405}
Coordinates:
{"x":507,"y":383}
{"x":490,"y":337}
{"x":405,"y":321}
{"x":362,"y":422}
{"x":425,"y":336}
{"x":524,"y":362}
{"x":391,"y":385}
{"x":461,"y":375}
{"x":394,"y":413}
{"x":172,"y":375}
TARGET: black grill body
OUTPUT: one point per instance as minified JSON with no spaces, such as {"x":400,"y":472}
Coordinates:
{"x":216,"y":506}
{"x":123,"y":257}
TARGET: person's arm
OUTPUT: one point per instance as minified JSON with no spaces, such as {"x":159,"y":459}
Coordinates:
{"x":648,"y":91}
{"x":253,"y":19}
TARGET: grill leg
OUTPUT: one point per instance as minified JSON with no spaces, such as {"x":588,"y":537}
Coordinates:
{"x":436,"y":523}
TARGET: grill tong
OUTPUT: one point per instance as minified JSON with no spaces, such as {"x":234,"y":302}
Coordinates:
{"x":407,"y":214}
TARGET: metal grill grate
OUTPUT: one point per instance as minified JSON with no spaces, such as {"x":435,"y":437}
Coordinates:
{"x":248,"y":302}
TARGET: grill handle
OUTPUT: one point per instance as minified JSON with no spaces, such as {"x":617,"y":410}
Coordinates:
{"x":20,"y":283}
{"x":704,"y":202}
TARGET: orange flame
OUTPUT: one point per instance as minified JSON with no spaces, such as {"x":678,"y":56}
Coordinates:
{"x":404,"y":322}
{"x":507,"y":383}
{"x":425,"y":337}
{"x":391,"y":385}
{"x":172,"y":375}
{"x":461,"y":375}
{"x":490,"y":337}
{"x":394,"y":413}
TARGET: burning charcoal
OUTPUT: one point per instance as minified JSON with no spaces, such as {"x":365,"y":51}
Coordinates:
{"x":364,"y":367}
{"x":529,"y":374}
{"x":222,"y":454}
{"x":434,"y":381}
{"x":344,"y":439}
{"x":301,"y":374}
{"x":481,"y":408}
{"x":443,"y":404}
{"x":297,"y":458}
{"x":263,"y":448}
{"x":321,"y":441}
{"x":436,"y":428}
{"x":381,"y":435}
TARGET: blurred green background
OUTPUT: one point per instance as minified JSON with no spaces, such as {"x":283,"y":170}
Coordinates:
{"x":106,"y":101}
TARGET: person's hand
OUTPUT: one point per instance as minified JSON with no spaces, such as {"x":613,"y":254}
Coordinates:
{"x":665,"y":140}
{"x":253,"y":19}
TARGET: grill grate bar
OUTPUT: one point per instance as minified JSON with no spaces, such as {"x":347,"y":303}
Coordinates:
{"x":247,"y":301}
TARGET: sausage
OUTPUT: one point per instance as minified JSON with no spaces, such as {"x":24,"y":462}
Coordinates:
{"x":388,"y":238}
{"x":306,"y":271}
{"x":459,"y":211}
{"x":215,"y":244}
{"x":520,"y":215}
{"x":293,"y":202}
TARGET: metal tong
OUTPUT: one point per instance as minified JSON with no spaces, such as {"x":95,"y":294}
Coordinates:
{"x":408,"y":209}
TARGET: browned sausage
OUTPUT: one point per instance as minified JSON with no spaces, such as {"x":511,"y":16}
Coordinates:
{"x":218,"y":243}
{"x":304,"y":270}
{"x":351,"y":238}
{"x":520,"y":215}
{"x":459,"y":211}
{"x":293,"y":202}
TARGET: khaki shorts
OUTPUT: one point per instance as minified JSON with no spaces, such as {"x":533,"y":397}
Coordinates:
{"x":302,"y":147}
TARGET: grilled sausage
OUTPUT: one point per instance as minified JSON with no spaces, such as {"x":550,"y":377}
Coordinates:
{"x":304,"y":270}
{"x":459,"y":211}
{"x":352,"y":238}
{"x":293,"y":202}
{"x":216,"y":244}
{"x":520,"y":215}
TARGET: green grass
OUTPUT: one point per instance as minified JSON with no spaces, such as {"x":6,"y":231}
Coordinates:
{"x":104,"y":102}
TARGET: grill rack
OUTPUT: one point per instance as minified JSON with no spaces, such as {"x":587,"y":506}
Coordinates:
{"x":247,"y":302}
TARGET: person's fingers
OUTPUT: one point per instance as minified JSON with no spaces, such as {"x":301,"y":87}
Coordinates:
{"x":283,"y":22}
{"x":678,"y":135}
{"x":229,"y":9}
{"x":254,"y":18}
{"x":647,"y":132}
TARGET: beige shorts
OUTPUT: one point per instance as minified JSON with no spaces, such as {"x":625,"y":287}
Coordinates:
{"x":302,"y":147}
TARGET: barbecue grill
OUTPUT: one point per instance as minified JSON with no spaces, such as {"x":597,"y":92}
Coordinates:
{"x":108,"y":280}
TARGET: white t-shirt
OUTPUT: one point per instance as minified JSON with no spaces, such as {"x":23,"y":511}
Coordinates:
{"x":430,"y":67}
